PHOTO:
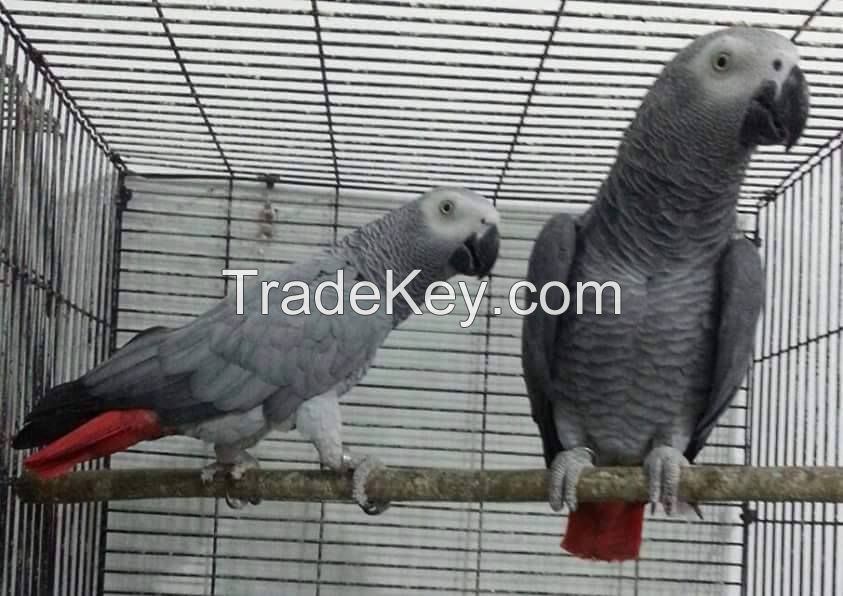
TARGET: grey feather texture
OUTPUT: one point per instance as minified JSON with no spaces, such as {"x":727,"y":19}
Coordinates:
{"x":659,"y":375}
{"x":741,"y":297}
{"x":550,"y":261}
{"x":223,"y":363}
{"x":230,"y":378}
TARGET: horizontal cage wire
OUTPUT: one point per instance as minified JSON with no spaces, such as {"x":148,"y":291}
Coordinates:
{"x":148,"y":144}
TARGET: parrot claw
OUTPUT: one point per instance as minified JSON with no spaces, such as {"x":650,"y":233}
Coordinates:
{"x":208,"y":472}
{"x":363,"y":468}
{"x":234,"y":471}
{"x":663,"y":468}
{"x":243,"y":465}
{"x":564,"y":474}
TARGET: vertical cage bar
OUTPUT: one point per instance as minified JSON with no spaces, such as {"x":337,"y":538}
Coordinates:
{"x":835,"y":290}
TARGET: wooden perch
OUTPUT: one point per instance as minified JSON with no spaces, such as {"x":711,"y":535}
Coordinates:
{"x":699,"y":484}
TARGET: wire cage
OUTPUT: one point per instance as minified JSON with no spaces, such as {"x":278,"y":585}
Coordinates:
{"x":145,"y":145}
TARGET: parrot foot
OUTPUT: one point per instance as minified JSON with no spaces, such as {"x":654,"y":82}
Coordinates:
{"x":234,"y":470}
{"x":208,"y":472}
{"x":663,"y":468}
{"x":564,"y":472}
{"x":363,"y":468}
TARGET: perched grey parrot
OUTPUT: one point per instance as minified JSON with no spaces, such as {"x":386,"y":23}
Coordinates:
{"x":229,"y":379}
{"x":646,"y":386}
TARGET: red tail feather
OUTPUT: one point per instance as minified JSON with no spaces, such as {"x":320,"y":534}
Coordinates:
{"x":605,"y":531}
{"x":106,"y":434}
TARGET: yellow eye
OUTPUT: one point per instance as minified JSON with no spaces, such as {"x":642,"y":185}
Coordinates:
{"x":722,"y":61}
{"x":446,"y":207}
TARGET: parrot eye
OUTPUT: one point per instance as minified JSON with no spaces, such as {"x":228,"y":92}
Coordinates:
{"x":446,"y":207}
{"x":721,"y":61}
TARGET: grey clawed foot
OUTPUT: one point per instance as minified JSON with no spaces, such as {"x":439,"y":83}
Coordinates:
{"x":208,"y":472}
{"x":234,"y":471}
{"x":564,"y":473}
{"x":663,"y":469}
{"x":363,"y":468}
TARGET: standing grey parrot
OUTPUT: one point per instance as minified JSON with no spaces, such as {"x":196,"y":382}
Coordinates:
{"x":646,"y":386}
{"x":229,"y":379}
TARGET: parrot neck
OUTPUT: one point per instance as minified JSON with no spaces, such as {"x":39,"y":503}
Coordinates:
{"x":396,"y":242}
{"x":668,"y":198}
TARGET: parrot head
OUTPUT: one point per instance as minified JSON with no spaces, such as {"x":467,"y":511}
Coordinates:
{"x":742,"y":82}
{"x":465,"y":223}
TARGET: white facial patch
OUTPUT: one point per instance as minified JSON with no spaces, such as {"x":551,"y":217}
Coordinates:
{"x":454,"y":214}
{"x":734,"y":64}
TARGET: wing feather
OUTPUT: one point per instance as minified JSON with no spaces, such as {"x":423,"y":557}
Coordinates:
{"x":223,"y":362}
{"x":550,"y":260}
{"x":741,"y":280}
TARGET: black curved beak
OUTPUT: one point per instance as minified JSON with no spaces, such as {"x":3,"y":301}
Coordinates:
{"x":778,"y":115}
{"x":477,"y":255}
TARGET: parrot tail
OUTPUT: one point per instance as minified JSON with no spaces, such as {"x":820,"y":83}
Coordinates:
{"x":605,"y":531}
{"x":63,"y":408}
{"x":103,"y":435}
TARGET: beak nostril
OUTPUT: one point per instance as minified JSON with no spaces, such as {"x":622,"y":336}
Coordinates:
{"x":777,"y":65}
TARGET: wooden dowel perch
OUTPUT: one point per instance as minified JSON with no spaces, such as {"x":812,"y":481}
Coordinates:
{"x":699,"y":484}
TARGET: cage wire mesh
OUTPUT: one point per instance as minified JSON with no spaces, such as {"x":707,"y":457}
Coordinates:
{"x":259,"y":132}
{"x":57,"y":261}
{"x":793,"y":547}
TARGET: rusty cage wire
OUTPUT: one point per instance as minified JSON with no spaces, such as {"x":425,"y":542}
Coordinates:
{"x":147,"y":144}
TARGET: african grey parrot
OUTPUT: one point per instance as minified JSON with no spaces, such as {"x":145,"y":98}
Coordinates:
{"x":228,"y":378}
{"x":646,"y":386}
